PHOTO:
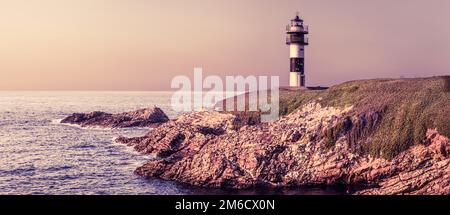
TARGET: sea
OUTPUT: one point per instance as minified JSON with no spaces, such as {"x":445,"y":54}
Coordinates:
{"x":40,"y":156}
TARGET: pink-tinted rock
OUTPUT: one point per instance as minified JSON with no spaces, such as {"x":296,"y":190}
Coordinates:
{"x":207,"y":149}
{"x":140,"y":118}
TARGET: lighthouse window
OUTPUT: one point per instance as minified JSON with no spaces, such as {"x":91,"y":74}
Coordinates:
{"x":296,"y":64}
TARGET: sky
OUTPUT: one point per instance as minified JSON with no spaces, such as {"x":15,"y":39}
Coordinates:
{"x":143,"y":44}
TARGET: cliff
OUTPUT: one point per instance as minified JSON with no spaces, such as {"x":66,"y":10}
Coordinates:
{"x":390,"y":134}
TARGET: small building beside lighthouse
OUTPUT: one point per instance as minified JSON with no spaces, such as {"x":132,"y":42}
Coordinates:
{"x":297,"y":40}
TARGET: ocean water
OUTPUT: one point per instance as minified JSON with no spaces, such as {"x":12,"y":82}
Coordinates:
{"x":38,"y":155}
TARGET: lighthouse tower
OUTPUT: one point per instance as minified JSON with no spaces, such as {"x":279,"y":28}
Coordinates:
{"x":297,"y":40}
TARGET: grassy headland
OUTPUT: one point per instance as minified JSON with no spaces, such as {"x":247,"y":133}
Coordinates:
{"x":388,"y":115}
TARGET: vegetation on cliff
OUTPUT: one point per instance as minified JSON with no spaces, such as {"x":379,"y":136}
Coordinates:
{"x":388,"y":115}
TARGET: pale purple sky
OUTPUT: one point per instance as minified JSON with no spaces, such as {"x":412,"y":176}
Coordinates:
{"x":142,"y":45}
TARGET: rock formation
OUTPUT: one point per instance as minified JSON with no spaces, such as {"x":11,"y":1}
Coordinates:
{"x":423,"y":169}
{"x":140,"y":118}
{"x":208,"y":149}
{"x":388,"y":134}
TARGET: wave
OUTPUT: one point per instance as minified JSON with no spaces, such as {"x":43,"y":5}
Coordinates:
{"x":131,"y":150}
{"x":95,"y":128}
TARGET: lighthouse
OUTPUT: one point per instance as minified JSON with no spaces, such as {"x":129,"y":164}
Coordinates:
{"x":297,"y":40}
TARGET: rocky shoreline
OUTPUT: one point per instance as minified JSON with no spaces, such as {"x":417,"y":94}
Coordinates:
{"x":207,"y":149}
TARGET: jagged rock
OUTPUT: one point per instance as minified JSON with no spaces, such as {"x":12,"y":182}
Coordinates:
{"x":139,"y":118}
{"x":206,"y":149}
{"x":188,"y":132}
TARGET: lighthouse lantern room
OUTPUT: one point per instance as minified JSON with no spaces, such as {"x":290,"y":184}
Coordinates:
{"x":297,"y":40}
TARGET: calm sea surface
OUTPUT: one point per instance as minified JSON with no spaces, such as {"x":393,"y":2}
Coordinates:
{"x":40,"y":156}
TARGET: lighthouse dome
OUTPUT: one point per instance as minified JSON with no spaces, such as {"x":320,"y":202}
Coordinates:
{"x":297,"y":19}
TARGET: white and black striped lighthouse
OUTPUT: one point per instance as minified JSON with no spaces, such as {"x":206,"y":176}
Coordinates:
{"x":297,"y":40}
